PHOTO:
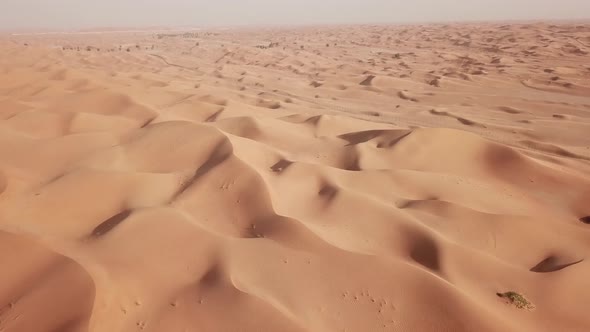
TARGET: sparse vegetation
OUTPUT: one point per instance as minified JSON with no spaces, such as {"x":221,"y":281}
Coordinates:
{"x":174,"y":35}
{"x":264,"y":47}
{"x":517,"y":300}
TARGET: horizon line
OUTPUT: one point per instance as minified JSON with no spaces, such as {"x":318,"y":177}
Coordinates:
{"x":188,"y":27}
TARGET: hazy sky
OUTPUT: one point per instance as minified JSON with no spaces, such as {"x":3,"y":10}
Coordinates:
{"x":58,"y":14}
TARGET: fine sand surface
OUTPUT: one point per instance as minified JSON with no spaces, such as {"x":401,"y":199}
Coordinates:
{"x":309,"y":179}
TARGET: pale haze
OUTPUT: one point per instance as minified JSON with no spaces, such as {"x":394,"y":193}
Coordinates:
{"x":68,"y":14}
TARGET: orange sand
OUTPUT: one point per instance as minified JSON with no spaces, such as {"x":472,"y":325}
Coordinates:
{"x":347,"y":179}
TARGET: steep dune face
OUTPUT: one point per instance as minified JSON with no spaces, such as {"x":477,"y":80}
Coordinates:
{"x":420,"y":178}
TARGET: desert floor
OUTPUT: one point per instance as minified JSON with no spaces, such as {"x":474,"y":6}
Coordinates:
{"x":366,"y":178}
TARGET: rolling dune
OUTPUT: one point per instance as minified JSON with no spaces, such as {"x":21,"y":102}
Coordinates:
{"x":347,"y":178}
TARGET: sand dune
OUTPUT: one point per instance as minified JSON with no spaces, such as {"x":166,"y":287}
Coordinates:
{"x":366,"y":178}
